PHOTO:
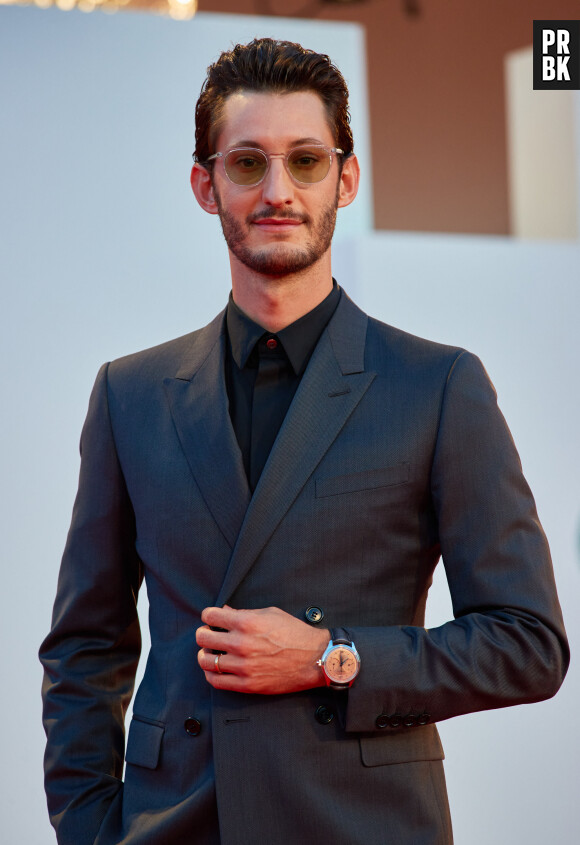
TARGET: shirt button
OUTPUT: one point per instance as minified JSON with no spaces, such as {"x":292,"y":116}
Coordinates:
{"x":192,"y":726}
{"x":272,"y":343}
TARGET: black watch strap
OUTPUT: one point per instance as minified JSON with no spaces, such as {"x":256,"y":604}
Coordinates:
{"x":340,"y":636}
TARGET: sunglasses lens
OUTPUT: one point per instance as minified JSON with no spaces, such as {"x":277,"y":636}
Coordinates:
{"x":306,"y":164}
{"x":246,"y":167}
{"x":309,"y":164}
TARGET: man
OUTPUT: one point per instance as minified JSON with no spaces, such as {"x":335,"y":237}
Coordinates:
{"x":286,"y":480}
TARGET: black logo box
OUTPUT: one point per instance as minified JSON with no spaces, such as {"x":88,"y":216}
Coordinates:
{"x":573,"y":63}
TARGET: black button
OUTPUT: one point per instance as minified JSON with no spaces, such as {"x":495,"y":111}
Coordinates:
{"x":396,"y":720}
{"x":314,"y":614}
{"x":323,"y":714}
{"x":192,"y":726}
{"x":410,"y":721}
{"x":423,"y":719}
{"x":382,"y":721}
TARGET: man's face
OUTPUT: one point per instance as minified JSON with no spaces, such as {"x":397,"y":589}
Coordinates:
{"x":279,"y":226}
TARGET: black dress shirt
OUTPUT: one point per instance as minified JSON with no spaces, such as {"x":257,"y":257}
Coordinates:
{"x":263,"y":371}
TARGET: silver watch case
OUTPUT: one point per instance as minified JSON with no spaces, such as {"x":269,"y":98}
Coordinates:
{"x":332,"y":671}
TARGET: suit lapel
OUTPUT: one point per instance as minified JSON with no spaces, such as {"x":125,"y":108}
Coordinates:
{"x":331,"y":388}
{"x":199,"y":405}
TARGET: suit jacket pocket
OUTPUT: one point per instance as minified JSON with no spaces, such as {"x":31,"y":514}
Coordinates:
{"x":144,"y":743}
{"x":407,"y":746}
{"x":367,"y":480}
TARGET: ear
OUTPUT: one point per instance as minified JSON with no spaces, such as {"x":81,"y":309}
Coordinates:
{"x":202,"y":187}
{"x":349,"y":181}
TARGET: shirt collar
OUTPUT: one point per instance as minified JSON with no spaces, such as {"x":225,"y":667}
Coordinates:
{"x":298,"y":339}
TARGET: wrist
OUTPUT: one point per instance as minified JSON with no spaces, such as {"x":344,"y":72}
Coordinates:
{"x":322,"y":640}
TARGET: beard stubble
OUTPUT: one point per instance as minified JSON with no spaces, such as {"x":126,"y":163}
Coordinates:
{"x":279,"y":259}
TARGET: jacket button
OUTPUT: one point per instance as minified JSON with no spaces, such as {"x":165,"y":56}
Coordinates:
{"x":382,"y":721}
{"x":423,"y":719}
{"x":396,"y":720}
{"x":410,"y":721}
{"x":192,"y":726}
{"x":314,"y":614}
{"x":323,"y":714}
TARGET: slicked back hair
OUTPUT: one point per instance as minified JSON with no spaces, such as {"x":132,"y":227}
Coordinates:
{"x":269,"y":66}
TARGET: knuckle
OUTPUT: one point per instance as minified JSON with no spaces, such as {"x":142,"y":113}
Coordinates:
{"x":245,"y":623}
{"x":237,"y":643}
{"x":243,"y":670}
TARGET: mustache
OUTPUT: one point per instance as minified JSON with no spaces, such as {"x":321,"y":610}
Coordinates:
{"x":278,"y":214}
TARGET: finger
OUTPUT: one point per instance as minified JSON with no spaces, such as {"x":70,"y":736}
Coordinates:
{"x":211,"y":662}
{"x":219,"y":664}
{"x":201,"y":632}
{"x":206,"y":638}
{"x":220,"y":617}
{"x":202,"y":660}
{"x":227,"y":681}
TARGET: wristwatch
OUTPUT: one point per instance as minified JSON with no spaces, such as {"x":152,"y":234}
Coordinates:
{"x":340,"y":661}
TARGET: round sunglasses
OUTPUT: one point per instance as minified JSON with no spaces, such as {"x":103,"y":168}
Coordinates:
{"x":307,"y":164}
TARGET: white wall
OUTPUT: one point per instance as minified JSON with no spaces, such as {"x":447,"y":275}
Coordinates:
{"x":512,"y":774}
{"x":104,"y":252}
{"x":542,"y":155}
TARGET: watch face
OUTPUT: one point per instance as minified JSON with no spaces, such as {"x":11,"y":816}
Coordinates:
{"x":341,"y":665}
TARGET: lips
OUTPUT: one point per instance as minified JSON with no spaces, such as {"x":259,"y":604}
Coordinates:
{"x":277,"y":222}
{"x":277,"y":227}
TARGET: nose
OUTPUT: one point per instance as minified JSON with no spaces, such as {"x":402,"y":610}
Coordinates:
{"x":277,"y":187}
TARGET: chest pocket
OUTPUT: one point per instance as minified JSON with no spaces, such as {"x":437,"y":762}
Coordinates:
{"x":368,"y":480}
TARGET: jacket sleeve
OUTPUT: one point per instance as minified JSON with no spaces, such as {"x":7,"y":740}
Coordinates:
{"x":91,"y":654}
{"x":506,"y":644}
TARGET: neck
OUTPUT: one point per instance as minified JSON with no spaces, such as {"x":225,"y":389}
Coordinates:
{"x":276,"y":301}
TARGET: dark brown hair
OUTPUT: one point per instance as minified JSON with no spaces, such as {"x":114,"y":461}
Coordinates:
{"x":266,"y":65}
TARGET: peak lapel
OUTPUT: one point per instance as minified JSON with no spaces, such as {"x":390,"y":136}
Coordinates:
{"x":331,"y":388}
{"x":199,"y":405}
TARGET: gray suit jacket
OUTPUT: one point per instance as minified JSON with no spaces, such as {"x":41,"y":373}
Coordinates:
{"x":393,"y":453}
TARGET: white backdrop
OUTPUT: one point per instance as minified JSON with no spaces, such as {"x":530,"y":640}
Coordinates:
{"x":512,"y":774}
{"x":104,"y":252}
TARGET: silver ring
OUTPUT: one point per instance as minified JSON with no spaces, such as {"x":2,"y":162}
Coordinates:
{"x":216,"y":664}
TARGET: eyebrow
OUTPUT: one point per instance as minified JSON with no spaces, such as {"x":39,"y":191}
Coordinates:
{"x":256,"y":144}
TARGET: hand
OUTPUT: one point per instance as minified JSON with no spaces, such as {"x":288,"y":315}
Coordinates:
{"x":265,"y":651}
